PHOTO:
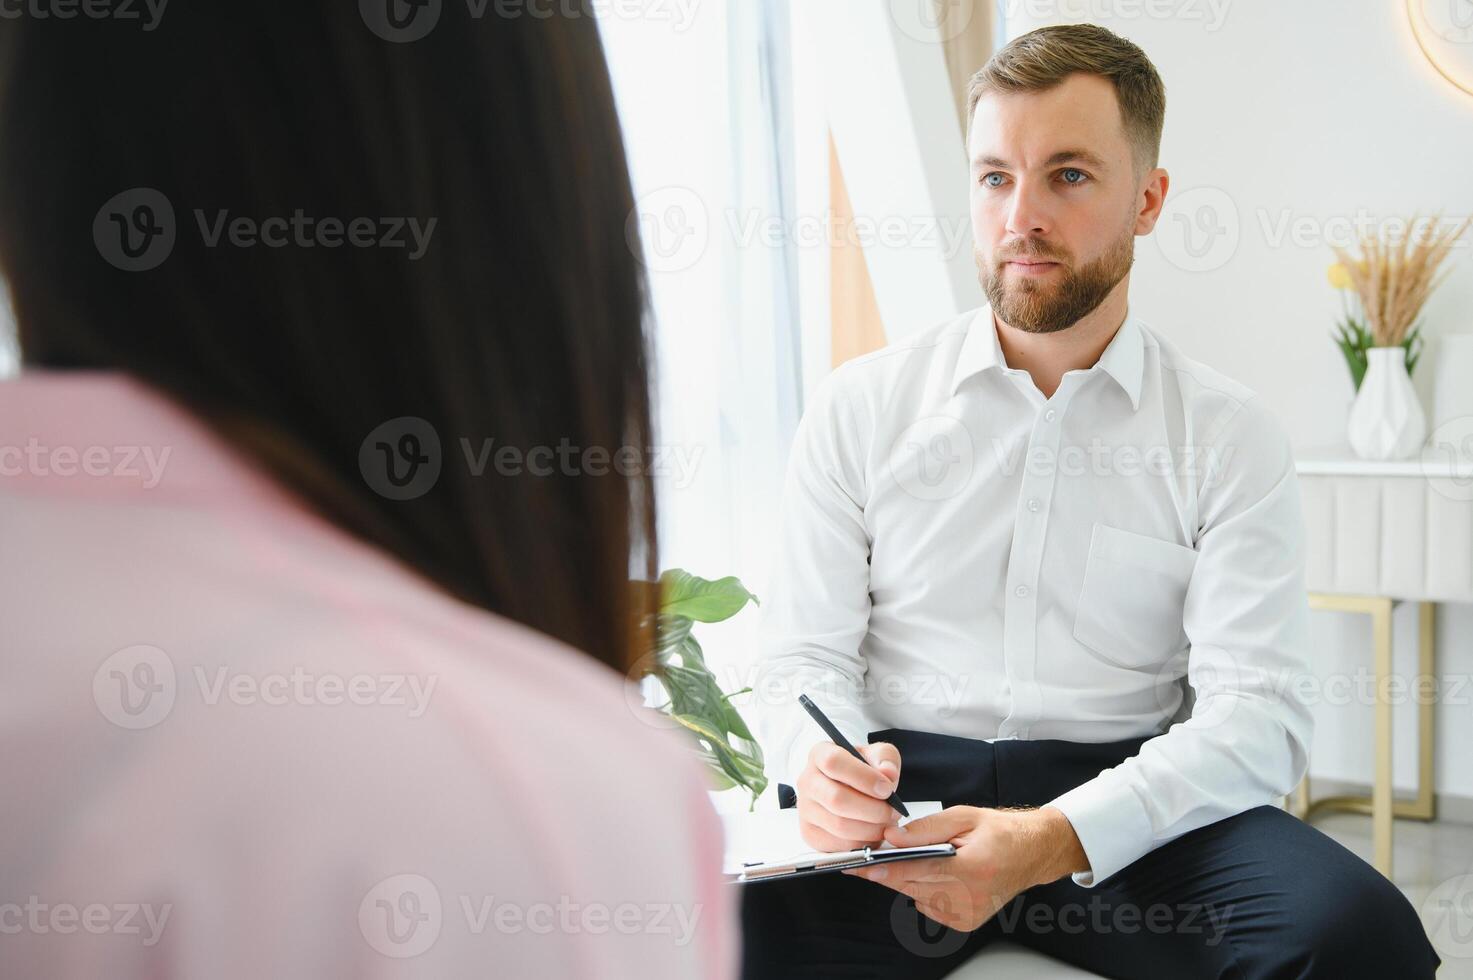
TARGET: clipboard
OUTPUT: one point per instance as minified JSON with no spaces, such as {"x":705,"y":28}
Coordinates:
{"x":767,"y":846}
{"x":823,"y":862}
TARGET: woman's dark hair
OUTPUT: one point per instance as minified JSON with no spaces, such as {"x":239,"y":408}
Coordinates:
{"x":522,"y":321}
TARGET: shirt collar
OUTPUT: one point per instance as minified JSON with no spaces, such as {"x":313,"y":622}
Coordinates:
{"x":1123,"y":358}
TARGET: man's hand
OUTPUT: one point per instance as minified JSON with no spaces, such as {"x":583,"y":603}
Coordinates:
{"x":999,"y":853}
{"x":841,"y":801}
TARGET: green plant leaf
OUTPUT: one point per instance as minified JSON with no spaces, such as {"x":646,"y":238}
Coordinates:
{"x":735,"y":764}
{"x":671,"y":632}
{"x":726,"y":763}
{"x":691,"y":654}
{"x":753,"y":784}
{"x":751,"y":769}
{"x":1413,"y":344}
{"x":701,"y":728}
{"x":732,"y":755}
{"x":1353,"y":339}
{"x":717,"y":775}
{"x":750,"y":757}
{"x":743,"y":761}
{"x":684,"y":594}
{"x":693,"y":691}
{"x":733,"y":718}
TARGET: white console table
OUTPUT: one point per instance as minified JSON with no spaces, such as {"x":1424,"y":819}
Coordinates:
{"x":1379,"y":533}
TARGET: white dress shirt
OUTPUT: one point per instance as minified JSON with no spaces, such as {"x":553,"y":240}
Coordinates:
{"x":961,"y":554}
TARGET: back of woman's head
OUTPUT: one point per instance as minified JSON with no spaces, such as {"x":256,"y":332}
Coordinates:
{"x":341,"y":236}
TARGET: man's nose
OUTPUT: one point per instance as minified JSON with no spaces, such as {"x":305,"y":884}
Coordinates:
{"x":1027,"y":213}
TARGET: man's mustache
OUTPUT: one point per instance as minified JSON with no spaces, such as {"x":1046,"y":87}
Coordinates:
{"x":1036,"y":250}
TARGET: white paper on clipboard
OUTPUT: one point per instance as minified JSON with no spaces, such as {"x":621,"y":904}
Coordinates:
{"x":772,"y":836}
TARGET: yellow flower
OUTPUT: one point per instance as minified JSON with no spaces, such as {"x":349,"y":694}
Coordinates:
{"x":1339,"y":276}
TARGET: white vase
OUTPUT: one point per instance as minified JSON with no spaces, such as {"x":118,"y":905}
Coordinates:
{"x":1386,"y":420}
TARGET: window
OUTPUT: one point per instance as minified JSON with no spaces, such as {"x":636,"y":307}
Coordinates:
{"x":710,"y":146}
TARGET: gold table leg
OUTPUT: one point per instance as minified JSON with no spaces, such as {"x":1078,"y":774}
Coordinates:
{"x":1381,"y":788}
{"x":1381,"y":804}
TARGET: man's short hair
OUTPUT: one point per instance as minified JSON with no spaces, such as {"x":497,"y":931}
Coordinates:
{"x":1043,"y":58}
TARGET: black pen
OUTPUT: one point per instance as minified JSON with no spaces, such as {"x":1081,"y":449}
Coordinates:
{"x":843,"y":743}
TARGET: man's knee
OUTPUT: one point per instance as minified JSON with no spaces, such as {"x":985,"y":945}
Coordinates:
{"x":1361,"y":925}
{"x":1321,"y":910}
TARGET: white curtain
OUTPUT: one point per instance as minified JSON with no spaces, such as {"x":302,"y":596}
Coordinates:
{"x":709,"y":144}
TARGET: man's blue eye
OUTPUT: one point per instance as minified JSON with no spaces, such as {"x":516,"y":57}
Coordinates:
{"x":1078,"y":173}
{"x":987,"y":179}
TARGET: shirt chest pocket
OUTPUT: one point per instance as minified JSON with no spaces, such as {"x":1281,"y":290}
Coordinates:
{"x":1130,"y":606}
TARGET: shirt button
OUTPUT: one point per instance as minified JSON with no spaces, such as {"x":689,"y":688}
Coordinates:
{"x":1021,"y":591}
{"x":1049,"y":415}
{"x":1033,"y":505}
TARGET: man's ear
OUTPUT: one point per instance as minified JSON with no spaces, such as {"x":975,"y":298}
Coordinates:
{"x":1152,"y":199}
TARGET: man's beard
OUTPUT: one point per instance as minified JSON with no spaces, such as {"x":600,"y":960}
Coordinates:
{"x":1066,"y":297}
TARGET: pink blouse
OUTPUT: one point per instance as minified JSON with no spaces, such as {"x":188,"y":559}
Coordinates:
{"x":236,"y":742}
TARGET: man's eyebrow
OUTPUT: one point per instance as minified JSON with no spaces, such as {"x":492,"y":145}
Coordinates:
{"x":1063,"y":156}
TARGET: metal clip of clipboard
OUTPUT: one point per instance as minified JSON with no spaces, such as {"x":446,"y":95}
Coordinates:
{"x":838,"y":861}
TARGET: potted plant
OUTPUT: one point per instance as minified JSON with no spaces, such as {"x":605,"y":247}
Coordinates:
{"x":1351,"y":335}
{"x":695,"y":700}
{"x":1390,"y":283}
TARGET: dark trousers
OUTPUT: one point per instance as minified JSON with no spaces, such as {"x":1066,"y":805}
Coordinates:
{"x":1259,"y":894}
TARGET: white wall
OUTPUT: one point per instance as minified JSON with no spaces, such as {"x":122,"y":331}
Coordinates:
{"x":1307,"y":115}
